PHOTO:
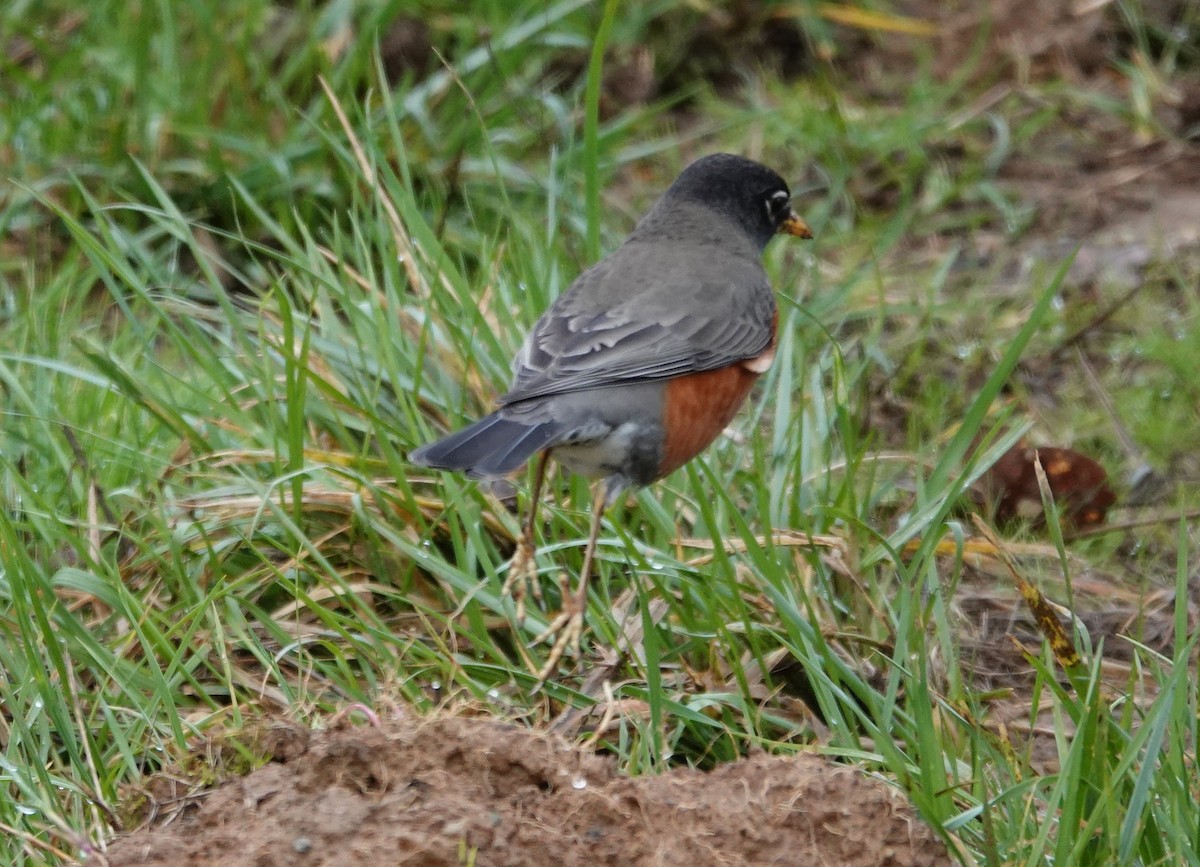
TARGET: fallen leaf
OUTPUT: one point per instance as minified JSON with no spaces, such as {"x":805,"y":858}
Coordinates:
{"x":1078,"y":484}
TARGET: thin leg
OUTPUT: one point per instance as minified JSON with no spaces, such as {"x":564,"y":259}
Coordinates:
{"x":568,"y":625}
{"x":522,"y":572}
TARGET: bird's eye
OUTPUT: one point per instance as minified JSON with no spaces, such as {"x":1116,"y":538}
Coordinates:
{"x":778,"y":204}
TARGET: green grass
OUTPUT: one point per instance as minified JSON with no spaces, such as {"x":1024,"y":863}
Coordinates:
{"x":223,"y":329}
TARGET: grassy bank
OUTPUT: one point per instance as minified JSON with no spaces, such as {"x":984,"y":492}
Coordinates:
{"x":250,"y":258}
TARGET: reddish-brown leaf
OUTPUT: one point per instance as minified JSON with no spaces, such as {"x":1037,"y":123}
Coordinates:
{"x":1078,"y":484}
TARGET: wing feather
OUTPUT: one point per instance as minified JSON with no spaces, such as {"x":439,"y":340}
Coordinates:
{"x":606,"y":329}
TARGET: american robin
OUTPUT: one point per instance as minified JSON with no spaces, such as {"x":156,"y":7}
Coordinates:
{"x":643,"y":361}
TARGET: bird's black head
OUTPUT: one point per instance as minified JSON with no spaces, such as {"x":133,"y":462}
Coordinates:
{"x":747,"y":193}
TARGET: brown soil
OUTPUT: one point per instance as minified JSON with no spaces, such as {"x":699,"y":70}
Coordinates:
{"x":467,"y":791}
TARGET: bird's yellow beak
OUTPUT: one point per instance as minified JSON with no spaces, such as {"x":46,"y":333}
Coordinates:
{"x":793,"y":225}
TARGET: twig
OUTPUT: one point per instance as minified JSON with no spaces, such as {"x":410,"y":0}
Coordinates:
{"x":1104,"y":529}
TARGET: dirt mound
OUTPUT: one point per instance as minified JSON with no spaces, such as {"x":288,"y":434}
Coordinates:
{"x":464,"y":791}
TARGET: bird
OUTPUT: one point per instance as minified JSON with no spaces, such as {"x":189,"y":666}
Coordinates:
{"x":641,"y":363}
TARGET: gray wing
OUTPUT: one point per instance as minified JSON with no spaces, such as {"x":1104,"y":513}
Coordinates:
{"x":655,"y":316}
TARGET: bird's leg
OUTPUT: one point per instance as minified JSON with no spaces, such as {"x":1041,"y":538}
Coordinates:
{"x":522,"y":572}
{"x":568,"y":624}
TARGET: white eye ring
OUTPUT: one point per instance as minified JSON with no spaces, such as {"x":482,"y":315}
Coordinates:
{"x":775,"y":201}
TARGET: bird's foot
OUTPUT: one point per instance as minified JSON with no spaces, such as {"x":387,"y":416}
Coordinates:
{"x":522,"y":575}
{"x":567,"y":627}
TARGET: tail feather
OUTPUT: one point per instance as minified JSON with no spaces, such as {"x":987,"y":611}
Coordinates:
{"x":492,"y":446}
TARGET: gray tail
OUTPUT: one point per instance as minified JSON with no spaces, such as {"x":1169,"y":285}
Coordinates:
{"x":493,"y":446}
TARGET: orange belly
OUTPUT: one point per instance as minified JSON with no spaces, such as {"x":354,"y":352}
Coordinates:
{"x":697,"y":408}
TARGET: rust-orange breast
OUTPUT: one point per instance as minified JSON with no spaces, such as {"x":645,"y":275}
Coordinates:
{"x":697,"y":407}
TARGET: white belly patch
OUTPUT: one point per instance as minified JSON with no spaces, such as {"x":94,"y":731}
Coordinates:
{"x":600,"y":457}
